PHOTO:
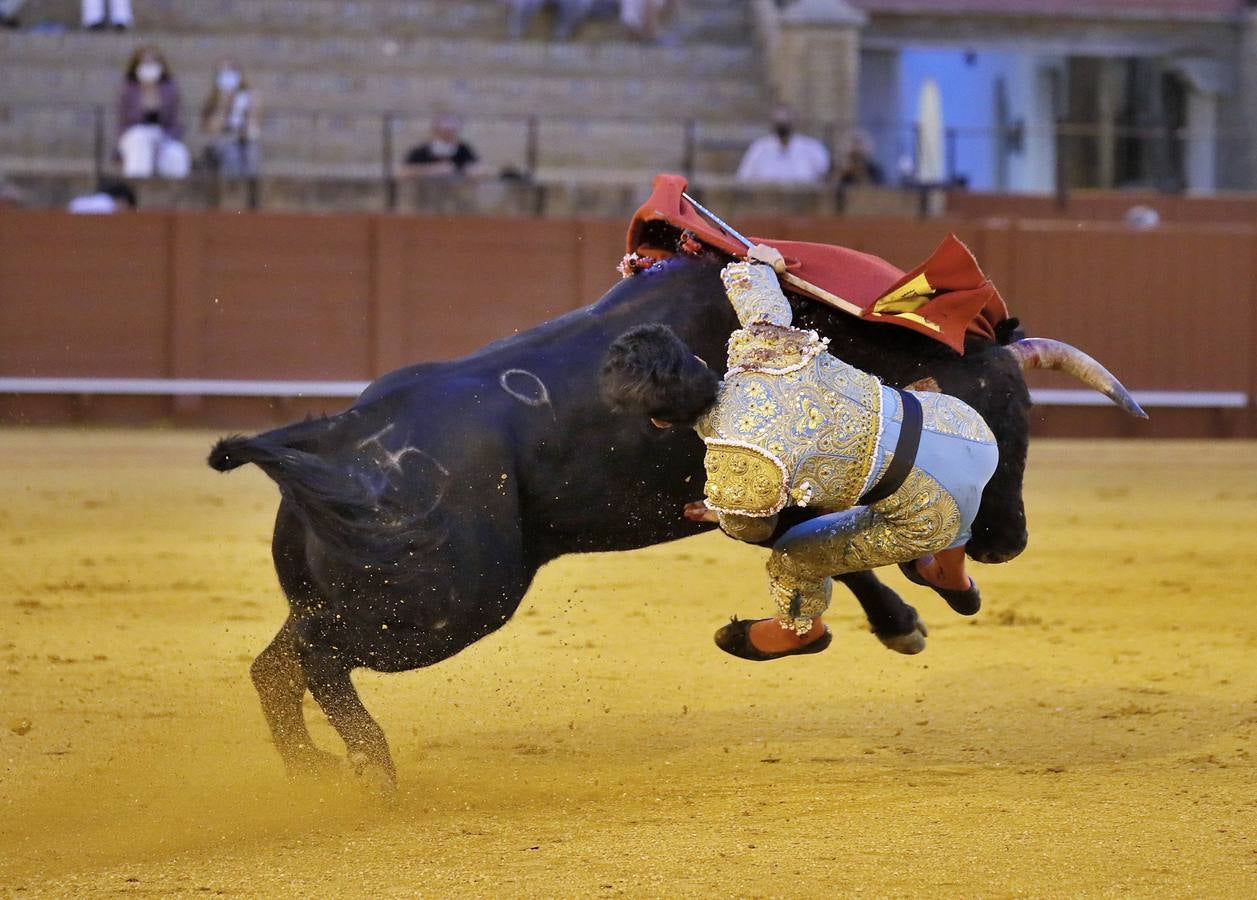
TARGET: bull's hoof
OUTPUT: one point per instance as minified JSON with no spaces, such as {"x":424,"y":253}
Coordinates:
{"x":993,"y":556}
{"x":313,"y":763}
{"x":909,"y":644}
{"x":993,"y":547}
{"x":379,"y":781}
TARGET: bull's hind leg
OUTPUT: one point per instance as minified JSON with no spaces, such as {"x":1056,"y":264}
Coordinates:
{"x":281,"y":686}
{"x":364,"y":739}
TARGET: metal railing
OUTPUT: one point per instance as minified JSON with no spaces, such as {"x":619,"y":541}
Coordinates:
{"x":1082,"y":154}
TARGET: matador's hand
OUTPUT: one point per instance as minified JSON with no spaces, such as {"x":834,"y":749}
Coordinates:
{"x":763,"y":253}
{"x":698,"y":512}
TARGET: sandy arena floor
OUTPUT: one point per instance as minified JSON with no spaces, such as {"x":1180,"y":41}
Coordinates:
{"x":1089,"y":734}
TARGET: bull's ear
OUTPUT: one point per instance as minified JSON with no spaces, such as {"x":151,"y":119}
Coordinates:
{"x":925,"y":385}
{"x":1008,"y":331}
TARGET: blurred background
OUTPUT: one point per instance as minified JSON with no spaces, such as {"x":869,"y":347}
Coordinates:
{"x":231,"y":211}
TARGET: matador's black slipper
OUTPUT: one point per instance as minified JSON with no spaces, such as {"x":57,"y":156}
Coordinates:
{"x":966,"y":602}
{"x":735,"y":638}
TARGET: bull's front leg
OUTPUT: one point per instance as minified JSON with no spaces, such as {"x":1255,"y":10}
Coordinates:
{"x":895,"y":623}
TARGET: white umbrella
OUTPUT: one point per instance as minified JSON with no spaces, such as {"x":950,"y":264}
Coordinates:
{"x":931,"y":162}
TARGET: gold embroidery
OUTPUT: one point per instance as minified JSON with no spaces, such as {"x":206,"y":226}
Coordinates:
{"x":798,"y":602}
{"x":944,"y":414}
{"x":751,"y":529}
{"x":755,"y":294}
{"x":743,"y":479}
{"x":774,"y":349}
{"x":918,"y":519}
{"x":821,"y":421}
{"x":810,"y":414}
{"x":802,"y":493}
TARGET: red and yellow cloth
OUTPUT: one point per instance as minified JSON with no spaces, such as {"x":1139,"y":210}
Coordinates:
{"x":946,"y":297}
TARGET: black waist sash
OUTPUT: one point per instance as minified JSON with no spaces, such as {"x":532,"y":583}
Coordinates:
{"x":905,"y":451}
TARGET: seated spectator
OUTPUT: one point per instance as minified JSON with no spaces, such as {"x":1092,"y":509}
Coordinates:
{"x":858,"y":166}
{"x":8,"y":13}
{"x":230,"y":120}
{"x":444,"y":154}
{"x":101,"y":14}
{"x":568,"y":14}
{"x":149,"y":124}
{"x":784,"y":157}
{"x":643,"y":17}
{"x":111,"y":196}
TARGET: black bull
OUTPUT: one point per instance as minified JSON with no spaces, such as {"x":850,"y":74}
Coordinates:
{"x":411,"y":525}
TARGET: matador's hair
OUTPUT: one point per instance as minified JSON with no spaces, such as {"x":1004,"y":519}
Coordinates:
{"x":649,"y":371}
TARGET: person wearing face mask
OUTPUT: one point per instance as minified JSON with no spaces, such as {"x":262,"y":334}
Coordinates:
{"x":101,"y":14}
{"x":149,"y":122}
{"x":784,"y":157}
{"x":444,"y":154}
{"x":230,"y":121}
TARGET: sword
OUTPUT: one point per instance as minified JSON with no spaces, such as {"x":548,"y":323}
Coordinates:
{"x":717,"y":221}
{"x":793,"y":280}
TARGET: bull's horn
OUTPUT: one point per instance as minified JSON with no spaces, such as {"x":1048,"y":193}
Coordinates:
{"x":1044,"y":353}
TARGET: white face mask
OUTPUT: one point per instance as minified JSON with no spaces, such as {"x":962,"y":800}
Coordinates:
{"x":149,"y":72}
{"x":228,"y":80}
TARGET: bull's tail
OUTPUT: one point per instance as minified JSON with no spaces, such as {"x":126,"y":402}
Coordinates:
{"x":338,"y":504}
{"x":235,"y":451}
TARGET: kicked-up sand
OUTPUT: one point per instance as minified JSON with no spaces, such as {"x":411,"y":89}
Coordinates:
{"x":1089,"y":733}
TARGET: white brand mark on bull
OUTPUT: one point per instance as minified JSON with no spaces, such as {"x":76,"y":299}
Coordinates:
{"x":392,"y":460}
{"x":541,"y":396}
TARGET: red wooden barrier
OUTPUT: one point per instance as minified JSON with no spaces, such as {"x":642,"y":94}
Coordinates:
{"x":273,"y":296}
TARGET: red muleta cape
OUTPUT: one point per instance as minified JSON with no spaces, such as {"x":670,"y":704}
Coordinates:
{"x":946,"y":297}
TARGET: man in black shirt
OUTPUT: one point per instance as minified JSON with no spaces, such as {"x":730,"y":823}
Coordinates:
{"x":443,"y":154}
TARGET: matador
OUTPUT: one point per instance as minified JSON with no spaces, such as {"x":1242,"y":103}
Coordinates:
{"x":894,"y":476}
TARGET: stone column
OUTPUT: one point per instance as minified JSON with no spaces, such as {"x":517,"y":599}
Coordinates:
{"x":1201,"y":152}
{"x":1206,"y":82}
{"x":1109,"y":89}
{"x":816,"y":60}
{"x":1247,"y":119}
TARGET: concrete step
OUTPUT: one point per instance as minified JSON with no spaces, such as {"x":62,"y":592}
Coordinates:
{"x":327,"y":70}
{"x":354,"y":143}
{"x":192,"y":54}
{"x":713,"y":20}
{"x":643,"y":98}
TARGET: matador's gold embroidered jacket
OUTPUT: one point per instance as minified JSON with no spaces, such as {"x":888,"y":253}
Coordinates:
{"x":791,"y":424}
